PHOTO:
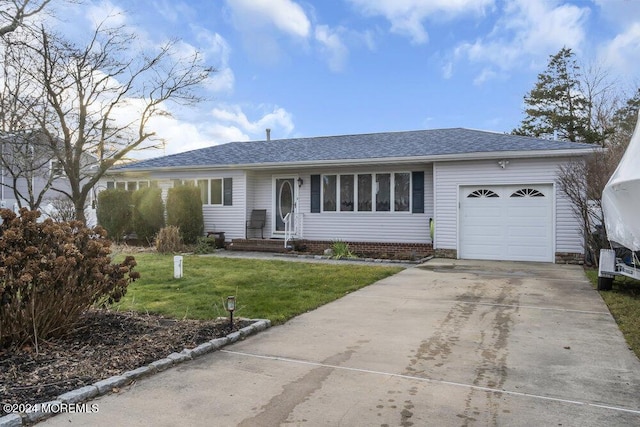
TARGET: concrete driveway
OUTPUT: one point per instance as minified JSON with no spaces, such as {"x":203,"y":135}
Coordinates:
{"x":447,"y":343}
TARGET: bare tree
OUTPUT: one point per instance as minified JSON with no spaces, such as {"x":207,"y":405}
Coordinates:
{"x":14,"y":12}
{"x":25,"y":158}
{"x":99,"y":99}
{"x":603,"y":99}
{"x":612,"y":120}
{"x":582,"y":181}
{"x":26,"y":163}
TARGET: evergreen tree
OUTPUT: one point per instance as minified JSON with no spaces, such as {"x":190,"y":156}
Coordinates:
{"x":556,"y":107}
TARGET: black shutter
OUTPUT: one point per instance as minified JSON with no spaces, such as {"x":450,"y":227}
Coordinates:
{"x":315,"y":193}
{"x":418,"y":192}
{"x":227,"y":185}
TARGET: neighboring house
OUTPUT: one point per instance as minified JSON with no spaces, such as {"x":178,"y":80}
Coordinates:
{"x":27,"y":167}
{"x":491,"y":195}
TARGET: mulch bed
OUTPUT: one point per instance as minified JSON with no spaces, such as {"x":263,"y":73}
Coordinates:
{"x":106,"y":343}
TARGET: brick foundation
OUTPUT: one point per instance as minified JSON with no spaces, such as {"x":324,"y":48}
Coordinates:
{"x":410,"y":251}
{"x":569,"y":258}
{"x":446,"y":253}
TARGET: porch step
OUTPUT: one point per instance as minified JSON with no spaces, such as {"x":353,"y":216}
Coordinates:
{"x":259,"y":245}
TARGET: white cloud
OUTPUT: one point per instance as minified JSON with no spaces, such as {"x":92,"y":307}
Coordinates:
{"x":277,"y":119}
{"x":407,"y":16}
{"x":216,"y":51}
{"x":261,"y":24}
{"x":286,"y":15}
{"x":222,"y":80}
{"x":175,"y":12}
{"x":105,"y":12}
{"x":623,"y":52}
{"x":332,"y":46}
{"x":367,"y":37}
{"x":225,"y":123}
{"x":621,"y":13}
{"x":486,"y":74}
{"x":447,"y":70}
{"x":528,"y":32}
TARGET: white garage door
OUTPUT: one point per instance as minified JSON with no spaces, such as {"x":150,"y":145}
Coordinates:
{"x":510,"y":222}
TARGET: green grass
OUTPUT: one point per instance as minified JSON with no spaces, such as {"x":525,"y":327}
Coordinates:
{"x":275,"y":290}
{"x":624,"y":304}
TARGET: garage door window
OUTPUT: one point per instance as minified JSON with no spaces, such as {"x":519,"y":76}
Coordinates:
{"x":527,"y":192}
{"x":483,"y":192}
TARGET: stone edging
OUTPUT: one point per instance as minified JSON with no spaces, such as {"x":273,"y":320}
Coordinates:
{"x":105,"y":386}
{"x":363,"y":260}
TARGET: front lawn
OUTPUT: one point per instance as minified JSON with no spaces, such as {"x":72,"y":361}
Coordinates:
{"x":275,"y":290}
{"x":624,"y":303}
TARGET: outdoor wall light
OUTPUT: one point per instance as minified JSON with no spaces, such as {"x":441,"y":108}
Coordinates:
{"x":503,"y":163}
{"x":300,"y":182}
{"x":231,"y":306}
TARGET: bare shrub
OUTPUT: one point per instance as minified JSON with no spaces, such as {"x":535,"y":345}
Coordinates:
{"x":63,"y":209}
{"x":583,"y":182}
{"x":169,"y":240}
{"x":51,"y":273}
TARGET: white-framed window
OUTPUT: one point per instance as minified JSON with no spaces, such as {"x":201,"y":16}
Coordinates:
{"x":329,"y":193}
{"x":216,"y":193}
{"x":213,"y":191}
{"x":366,"y":192}
{"x":402,"y":191}
{"x":131,"y":185}
{"x":347,"y":191}
{"x":365,"y":196}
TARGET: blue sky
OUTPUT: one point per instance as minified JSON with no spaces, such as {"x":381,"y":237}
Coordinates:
{"x":330,"y":67}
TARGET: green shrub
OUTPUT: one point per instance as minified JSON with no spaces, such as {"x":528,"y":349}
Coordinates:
{"x":52,"y":272}
{"x":205,"y":245}
{"x":168,"y":240}
{"x":184,"y":210}
{"x":148,"y":213}
{"x":114,"y":212}
{"x":341,"y":250}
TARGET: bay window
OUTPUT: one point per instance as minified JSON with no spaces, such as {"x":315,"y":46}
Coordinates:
{"x":365,"y":192}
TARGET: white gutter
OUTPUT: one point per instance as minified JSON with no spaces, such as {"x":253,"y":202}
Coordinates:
{"x":373,"y":161}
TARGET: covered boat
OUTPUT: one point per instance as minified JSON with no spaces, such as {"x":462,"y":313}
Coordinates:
{"x":621,"y":198}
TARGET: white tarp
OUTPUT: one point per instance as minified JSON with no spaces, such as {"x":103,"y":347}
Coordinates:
{"x":621,"y":198}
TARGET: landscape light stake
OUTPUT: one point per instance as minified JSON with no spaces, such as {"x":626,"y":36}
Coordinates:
{"x":231,"y":306}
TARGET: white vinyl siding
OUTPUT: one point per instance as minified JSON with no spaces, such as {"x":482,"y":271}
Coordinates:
{"x":368,"y":226}
{"x":352,"y":226}
{"x":449,"y":176}
{"x":261,"y":197}
{"x":229,"y":219}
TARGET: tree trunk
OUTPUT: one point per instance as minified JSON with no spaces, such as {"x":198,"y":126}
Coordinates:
{"x":79,"y":204}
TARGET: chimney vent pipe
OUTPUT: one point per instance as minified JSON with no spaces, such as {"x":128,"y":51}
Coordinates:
{"x":268,"y":134}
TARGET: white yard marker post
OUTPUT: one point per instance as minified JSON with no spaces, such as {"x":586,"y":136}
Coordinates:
{"x":177,"y":267}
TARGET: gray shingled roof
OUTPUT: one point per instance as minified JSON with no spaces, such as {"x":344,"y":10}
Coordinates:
{"x":422,"y":143}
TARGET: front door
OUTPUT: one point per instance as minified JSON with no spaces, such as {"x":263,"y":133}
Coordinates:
{"x":285,"y":200}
